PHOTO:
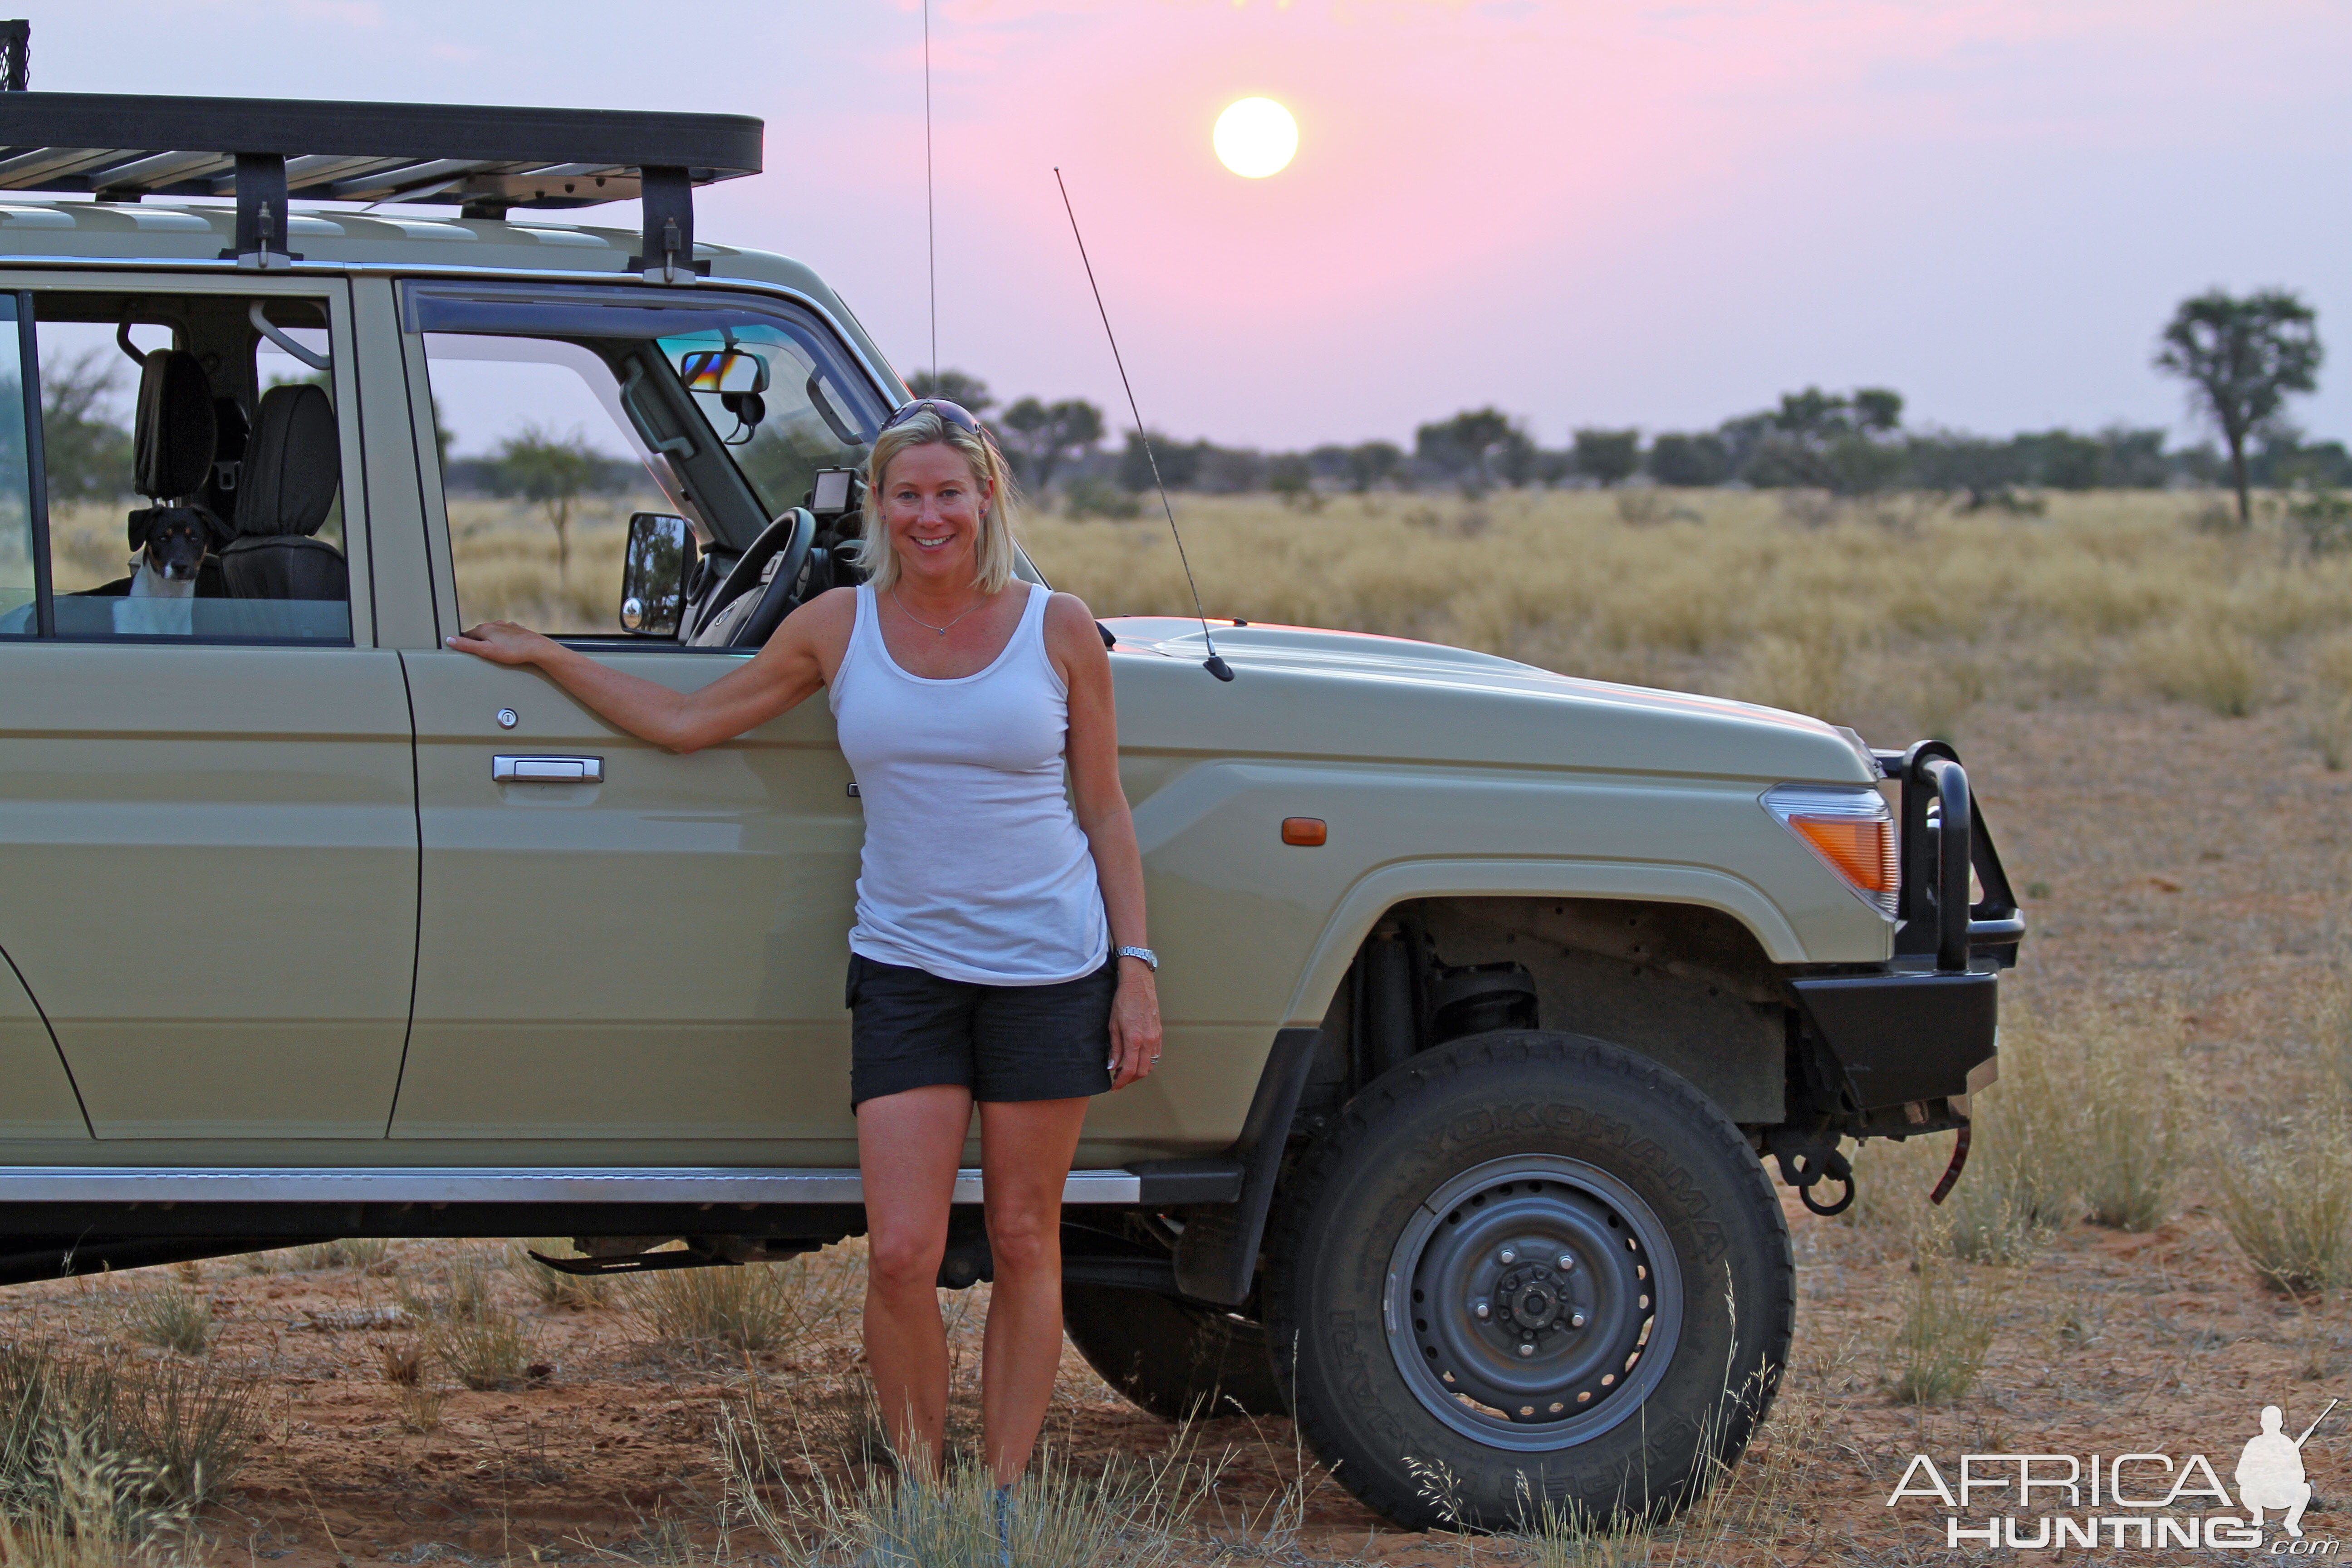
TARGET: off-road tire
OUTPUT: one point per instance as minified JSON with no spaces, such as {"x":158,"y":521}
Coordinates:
{"x":1577,"y":1143}
{"x":1176,"y":1359}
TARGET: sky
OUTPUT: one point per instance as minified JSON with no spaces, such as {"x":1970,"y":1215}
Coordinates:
{"x":1586,"y":212}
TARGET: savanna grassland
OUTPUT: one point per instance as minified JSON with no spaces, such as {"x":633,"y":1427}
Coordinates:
{"x":2152,"y":1240}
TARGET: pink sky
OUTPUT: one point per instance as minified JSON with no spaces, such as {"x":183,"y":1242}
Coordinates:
{"x":1617,"y":213}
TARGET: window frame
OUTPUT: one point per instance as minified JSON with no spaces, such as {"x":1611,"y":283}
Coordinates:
{"x":668,"y":395}
{"x":331,"y":291}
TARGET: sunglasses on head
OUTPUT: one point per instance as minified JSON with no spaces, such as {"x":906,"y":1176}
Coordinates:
{"x":954,"y":414}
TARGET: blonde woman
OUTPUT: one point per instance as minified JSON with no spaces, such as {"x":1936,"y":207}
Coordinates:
{"x":1000,"y":956}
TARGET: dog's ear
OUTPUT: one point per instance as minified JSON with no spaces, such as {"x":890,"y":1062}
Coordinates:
{"x":142,"y":522}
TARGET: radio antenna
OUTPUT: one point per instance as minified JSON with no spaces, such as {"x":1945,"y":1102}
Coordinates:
{"x":1214,"y":663}
{"x":931,"y":206}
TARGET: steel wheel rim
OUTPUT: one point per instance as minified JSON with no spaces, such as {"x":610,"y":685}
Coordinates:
{"x":1602,"y":1331}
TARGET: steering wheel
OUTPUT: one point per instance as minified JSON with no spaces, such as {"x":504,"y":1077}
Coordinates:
{"x":789,"y":538}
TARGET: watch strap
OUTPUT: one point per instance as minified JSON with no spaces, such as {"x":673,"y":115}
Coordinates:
{"x":1144,"y":953}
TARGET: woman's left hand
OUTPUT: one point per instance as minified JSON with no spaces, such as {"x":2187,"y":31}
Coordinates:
{"x":1134,"y":1024}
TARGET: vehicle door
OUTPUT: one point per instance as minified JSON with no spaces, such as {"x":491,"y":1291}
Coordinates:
{"x":654,"y":946}
{"x":207,"y":813}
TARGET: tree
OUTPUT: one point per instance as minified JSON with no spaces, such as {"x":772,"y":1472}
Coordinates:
{"x":2242,"y":358}
{"x":1608,"y":457}
{"x":1178,"y":463}
{"x":555,"y":470}
{"x":1470,"y":441}
{"x":956,"y":386}
{"x":1374,"y":463}
{"x":1038,"y":436}
{"x":1690,"y":460}
{"x":1292,"y":480}
{"x":87,"y":453}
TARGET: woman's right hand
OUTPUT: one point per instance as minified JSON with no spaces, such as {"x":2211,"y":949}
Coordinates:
{"x":503,"y":642}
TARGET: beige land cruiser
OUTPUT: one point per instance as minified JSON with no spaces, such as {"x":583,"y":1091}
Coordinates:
{"x":1493,"y":994}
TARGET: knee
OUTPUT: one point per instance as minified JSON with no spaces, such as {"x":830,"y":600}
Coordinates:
{"x":899,"y":1264}
{"x":1023,"y":1243}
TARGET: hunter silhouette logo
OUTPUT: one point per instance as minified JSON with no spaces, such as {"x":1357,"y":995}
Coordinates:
{"x":2047,"y":1502}
{"x":2270,"y":1472}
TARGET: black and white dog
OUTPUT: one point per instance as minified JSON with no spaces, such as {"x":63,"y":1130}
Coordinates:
{"x":171,"y":542}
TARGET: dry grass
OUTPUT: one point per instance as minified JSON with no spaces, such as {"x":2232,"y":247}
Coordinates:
{"x":2286,"y":1198}
{"x":553,"y":1287}
{"x":1901,"y":611}
{"x":755,"y":1307}
{"x":1939,"y":1344}
{"x":170,"y":1317}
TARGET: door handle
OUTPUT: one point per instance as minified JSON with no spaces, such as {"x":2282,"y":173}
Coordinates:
{"x":548,"y":769}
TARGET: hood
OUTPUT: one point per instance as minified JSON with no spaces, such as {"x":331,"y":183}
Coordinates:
{"x":1354,"y":694}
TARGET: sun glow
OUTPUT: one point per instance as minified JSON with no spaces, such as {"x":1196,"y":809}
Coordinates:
{"x":1255,"y":137}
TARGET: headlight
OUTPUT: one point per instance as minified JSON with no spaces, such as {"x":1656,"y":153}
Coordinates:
{"x":1850,"y":829}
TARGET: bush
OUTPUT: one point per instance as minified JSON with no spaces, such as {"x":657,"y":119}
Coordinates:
{"x":1083,"y":498}
{"x":2216,"y":667}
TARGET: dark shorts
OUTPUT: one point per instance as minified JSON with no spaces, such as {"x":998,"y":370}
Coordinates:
{"x":910,"y":1028}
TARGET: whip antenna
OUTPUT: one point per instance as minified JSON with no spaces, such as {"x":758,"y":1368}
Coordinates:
{"x":1212,"y":664}
{"x":930,"y":209}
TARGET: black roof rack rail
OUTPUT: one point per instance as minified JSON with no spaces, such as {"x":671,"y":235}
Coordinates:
{"x":481,"y":159}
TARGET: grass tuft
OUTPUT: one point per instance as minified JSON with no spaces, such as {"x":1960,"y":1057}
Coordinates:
{"x":755,"y":1307}
{"x":2286,"y":1200}
{"x":1939,"y":1345}
{"x":553,"y":1287}
{"x":170,"y":1317}
{"x":180,"y":1429}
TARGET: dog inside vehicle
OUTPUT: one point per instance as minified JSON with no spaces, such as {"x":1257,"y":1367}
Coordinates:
{"x":171,"y":542}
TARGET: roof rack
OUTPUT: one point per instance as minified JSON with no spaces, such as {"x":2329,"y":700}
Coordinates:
{"x":483,"y":160}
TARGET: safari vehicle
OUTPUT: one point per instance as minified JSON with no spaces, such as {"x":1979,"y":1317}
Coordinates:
{"x":1494,"y":996}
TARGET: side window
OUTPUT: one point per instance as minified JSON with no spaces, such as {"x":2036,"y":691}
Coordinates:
{"x":191,"y":470}
{"x":561,"y":413}
{"x":540,"y":469}
{"x":17,"y":539}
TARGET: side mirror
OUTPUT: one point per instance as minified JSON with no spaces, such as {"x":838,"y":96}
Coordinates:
{"x":653,"y":574}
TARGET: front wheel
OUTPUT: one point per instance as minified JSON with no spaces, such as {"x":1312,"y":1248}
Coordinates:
{"x":1529,"y":1267}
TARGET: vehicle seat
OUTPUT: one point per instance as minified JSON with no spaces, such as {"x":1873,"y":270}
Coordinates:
{"x":176,"y":429}
{"x":291,"y":469}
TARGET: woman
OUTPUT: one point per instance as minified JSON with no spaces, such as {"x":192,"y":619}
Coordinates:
{"x":1000,"y":955}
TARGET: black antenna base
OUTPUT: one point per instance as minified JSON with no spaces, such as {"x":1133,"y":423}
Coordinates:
{"x":1217,"y":667}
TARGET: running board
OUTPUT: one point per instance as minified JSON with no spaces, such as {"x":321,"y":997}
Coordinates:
{"x":1155,"y":1182}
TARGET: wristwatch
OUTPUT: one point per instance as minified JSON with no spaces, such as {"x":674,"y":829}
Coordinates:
{"x":1144,"y":953}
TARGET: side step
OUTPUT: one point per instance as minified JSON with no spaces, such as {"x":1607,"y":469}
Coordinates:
{"x":1158,"y":1183}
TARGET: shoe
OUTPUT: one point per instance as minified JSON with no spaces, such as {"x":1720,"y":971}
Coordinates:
{"x":1004,"y":1519}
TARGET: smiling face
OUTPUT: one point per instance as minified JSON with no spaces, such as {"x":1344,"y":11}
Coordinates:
{"x":932,"y":504}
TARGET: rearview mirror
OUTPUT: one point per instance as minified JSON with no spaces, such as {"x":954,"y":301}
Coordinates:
{"x":723,"y":371}
{"x":653,"y":574}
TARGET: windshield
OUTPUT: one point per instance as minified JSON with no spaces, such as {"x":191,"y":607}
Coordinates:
{"x":781,"y":402}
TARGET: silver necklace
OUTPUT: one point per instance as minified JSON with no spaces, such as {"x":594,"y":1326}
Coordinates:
{"x":924,"y":624}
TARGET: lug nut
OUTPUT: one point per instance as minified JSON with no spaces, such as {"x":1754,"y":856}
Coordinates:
{"x":1510,"y":1255}
{"x":1482,"y":1310}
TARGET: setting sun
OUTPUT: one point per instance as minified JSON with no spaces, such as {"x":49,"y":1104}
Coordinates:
{"x":1255,"y":137}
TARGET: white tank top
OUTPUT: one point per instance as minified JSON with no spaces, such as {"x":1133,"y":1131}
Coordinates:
{"x":976,"y":867}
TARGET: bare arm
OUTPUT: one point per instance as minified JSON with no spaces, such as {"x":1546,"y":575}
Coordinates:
{"x":1101,"y":802}
{"x":797,"y":660}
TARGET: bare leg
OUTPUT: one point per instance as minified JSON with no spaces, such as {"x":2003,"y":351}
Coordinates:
{"x":908,"y":1146}
{"x":1026,"y":1152}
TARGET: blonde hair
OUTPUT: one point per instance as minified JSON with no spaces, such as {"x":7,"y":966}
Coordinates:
{"x":996,"y":551}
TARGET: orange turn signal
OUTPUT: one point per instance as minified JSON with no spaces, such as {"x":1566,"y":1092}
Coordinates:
{"x":1862,"y":850}
{"x":1305,"y":831}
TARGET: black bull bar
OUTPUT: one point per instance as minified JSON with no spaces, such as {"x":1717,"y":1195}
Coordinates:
{"x":1918,"y":1032}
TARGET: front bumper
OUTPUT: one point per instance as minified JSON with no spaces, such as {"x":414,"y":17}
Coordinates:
{"x":1926,"y":1029}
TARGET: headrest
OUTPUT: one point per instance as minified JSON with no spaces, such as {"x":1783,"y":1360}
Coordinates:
{"x":291,"y":464}
{"x":172,"y":449}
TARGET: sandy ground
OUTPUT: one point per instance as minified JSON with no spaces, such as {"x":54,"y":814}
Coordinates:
{"x":2188,"y":869}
